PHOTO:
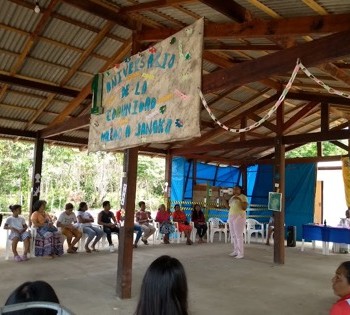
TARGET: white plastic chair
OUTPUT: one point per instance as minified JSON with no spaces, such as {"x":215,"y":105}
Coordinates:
{"x":217,"y":225}
{"x":9,"y":242}
{"x":254,"y":227}
{"x":85,"y":236}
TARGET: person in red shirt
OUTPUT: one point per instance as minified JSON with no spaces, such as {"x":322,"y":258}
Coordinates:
{"x":341,"y":288}
{"x":120,"y":216}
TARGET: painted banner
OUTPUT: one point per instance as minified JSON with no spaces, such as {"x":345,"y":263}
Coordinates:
{"x":152,"y":97}
{"x":346,"y":178}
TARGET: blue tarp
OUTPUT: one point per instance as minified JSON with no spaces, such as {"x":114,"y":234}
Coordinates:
{"x":300,"y":187}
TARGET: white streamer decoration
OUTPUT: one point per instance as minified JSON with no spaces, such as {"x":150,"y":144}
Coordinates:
{"x":262,"y":120}
{"x":324,"y":85}
{"x":298,"y":66}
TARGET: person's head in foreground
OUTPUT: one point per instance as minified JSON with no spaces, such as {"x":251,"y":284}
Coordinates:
{"x":37,"y":291}
{"x":341,"y":288}
{"x":164,"y":288}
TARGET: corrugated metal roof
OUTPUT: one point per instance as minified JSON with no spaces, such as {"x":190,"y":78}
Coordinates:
{"x":108,"y":47}
{"x":7,"y":61}
{"x":78,"y":15}
{"x":335,"y":6}
{"x":69,"y":34}
{"x":18,"y":16}
{"x":207,"y":12}
{"x":46,"y":72}
{"x":12,"y":41}
{"x":13,"y":98}
{"x":55,"y":54}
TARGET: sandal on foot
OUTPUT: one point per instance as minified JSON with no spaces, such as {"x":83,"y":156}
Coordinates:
{"x":24,"y":257}
{"x":18,"y":258}
{"x":88,"y":250}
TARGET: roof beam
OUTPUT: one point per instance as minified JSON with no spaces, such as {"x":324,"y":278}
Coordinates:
{"x":231,"y":9}
{"x":66,"y":126}
{"x":318,"y":97}
{"x":225,"y":47}
{"x":31,"y":84}
{"x":310,"y":53}
{"x":267,"y":142}
{"x":152,"y":5}
{"x":260,"y":28}
{"x":299,"y":115}
{"x":107,"y":12}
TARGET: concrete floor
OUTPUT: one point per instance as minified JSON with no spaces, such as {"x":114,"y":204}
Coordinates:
{"x":218,"y":284}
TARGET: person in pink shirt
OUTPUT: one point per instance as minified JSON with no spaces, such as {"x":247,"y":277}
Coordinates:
{"x":165,"y":225}
{"x":341,"y":288}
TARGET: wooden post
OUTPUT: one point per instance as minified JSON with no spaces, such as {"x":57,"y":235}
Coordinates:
{"x":126,"y":234}
{"x":36,"y":177}
{"x":168,"y":173}
{"x":279,"y":180}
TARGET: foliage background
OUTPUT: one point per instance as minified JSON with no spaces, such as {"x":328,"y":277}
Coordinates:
{"x":70,"y":175}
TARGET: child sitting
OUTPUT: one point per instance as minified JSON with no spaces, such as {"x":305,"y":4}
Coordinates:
{"x":18,"y":227}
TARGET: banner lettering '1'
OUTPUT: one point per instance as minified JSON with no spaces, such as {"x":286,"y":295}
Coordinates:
{"x":150,"y":97}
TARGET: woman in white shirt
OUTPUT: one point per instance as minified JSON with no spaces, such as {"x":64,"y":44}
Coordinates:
{"x":85,"y":220}
{"x":237,"y":205}
{"x":18,"y":227}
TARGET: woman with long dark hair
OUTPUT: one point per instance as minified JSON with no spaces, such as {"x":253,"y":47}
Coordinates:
{"x":198,"y":220}
{"x":164,"y":289}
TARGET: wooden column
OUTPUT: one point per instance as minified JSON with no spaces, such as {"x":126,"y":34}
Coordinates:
{"x":126,"y":234}
{"x":279,"y":181}
{"x":37,"y":167}
{"x":168,"y":174}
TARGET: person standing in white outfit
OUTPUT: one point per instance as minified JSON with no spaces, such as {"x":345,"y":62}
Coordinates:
{"x":237,"y":205}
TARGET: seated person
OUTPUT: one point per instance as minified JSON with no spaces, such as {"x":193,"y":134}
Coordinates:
{"x":66,"y":222}
{"x":198,"y":219}
{"x":341,"y":288}
{"x":18,"y":227}
{"x":85,"y":220}
{"x":180,"y":217}
{"x":120,"y":216}
{"x":50,"y":239}
{"x":270,"y":229}
{"x":143,"y":218}
{"x":105,"y":218}
{"x":165,"y":225}
{"x":345,"y":222}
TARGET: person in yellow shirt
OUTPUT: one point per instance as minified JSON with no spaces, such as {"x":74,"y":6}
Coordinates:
{"x":237,"y":205}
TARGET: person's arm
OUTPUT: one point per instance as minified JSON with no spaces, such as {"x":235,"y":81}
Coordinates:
{"x":158,"y":217}
{"x":226,"y":202}
{"x":99,"y":217}
{"x":80,"y":219}
{"x":114,"y":219}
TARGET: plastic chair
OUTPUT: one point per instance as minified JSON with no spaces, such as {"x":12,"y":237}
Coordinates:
{"x":85,"y":236}
{"x":254,"y":227}
{"x":9,"y":242}
{"x":61,"y":310}
{"x":217,"y":225}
